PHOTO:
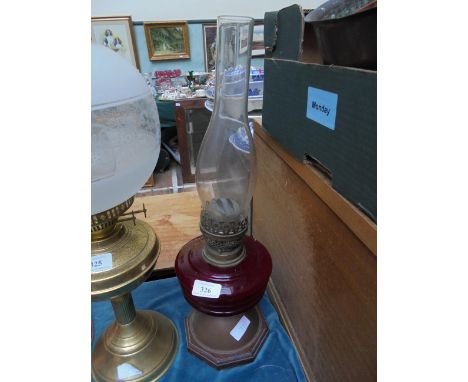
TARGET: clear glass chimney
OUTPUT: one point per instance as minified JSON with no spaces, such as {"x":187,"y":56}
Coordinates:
{"x":226,"y":161}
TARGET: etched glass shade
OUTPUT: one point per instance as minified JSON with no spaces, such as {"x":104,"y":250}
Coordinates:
{"x":226,"y":160}
{"x":125,"y":130}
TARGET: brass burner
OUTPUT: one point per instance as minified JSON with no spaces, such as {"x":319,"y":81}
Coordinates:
{"x":223,"y":239}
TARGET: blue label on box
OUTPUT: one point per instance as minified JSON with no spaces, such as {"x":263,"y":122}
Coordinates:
{"x":321,"y":107}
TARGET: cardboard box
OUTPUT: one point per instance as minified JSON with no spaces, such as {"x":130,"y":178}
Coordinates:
{"x":323,"y":114}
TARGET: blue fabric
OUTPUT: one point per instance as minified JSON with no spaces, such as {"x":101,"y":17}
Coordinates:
{"x":276,"y":361}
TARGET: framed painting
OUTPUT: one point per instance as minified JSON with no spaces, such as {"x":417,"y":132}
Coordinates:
{"x":116,"y":33}
{"x":167,"y":40}
{"x":209,"y":43}
{"x":258,"y":45}
{"x":209,"y":46}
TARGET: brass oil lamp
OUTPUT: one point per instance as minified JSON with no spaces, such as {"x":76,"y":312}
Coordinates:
{"x":224,"y":272}
{"x":138,"y":345}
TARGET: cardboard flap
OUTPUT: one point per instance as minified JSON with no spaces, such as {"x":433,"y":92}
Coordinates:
{"x":284,"y":32}
{"x":270,"y":32}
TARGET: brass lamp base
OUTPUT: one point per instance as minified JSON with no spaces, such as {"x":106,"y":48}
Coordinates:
{"x":139,"y":345}
{"x":142,"y":350}
{"x":209,"y":338}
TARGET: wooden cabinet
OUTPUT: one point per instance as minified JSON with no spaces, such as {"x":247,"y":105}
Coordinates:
{"x":324,"y":265}
{"x":192,"y":119}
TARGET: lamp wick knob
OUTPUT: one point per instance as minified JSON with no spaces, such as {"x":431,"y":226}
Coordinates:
{"x":132,"y":213}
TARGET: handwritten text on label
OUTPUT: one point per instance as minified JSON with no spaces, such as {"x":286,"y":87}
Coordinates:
{"x":206,"y":289}
{"x":102,"y":262}
{"x":321,"y":106}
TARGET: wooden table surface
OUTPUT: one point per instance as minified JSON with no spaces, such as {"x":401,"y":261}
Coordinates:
{"x":175,"y":219}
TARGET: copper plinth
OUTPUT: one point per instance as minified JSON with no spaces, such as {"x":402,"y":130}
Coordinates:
{"x":208,"y":327}
{"x":208,"y":337}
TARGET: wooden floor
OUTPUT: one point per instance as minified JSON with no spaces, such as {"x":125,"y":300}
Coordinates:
{"x":167,"y":182}
{"x":173,"y":211}
{"x":175,"y":219}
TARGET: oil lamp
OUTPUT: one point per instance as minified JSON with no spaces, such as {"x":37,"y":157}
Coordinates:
{"x":224,"y":272}
{"x":125,"y":143}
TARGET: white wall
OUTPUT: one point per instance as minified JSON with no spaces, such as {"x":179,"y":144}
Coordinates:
{"x":157,"y":10}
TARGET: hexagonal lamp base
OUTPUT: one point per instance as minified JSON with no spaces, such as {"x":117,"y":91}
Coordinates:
{"x":209,"y":338}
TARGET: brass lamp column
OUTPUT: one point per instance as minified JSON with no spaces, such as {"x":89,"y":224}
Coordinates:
{"x":138,"y":345}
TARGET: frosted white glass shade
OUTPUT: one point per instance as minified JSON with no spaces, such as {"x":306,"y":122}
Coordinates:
{"x":125,"y":130}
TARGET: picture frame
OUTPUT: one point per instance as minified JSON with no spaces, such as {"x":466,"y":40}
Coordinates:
{"x":116,"y":33}
{"x":258,"y":43}
{"x":168,"y":40}
{"x":209,"y":45}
